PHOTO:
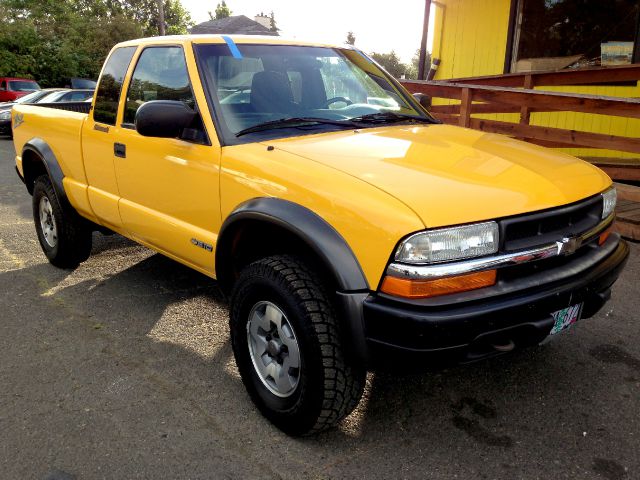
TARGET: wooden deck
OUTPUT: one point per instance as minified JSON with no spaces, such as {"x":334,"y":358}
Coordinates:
{"x":618,"y":168}
{"x":628,"y":219}
{"x":628,"y":212}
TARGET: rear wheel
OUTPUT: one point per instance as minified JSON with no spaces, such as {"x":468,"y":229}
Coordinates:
{"x":64,"y":236}
{"x":288,"y":347}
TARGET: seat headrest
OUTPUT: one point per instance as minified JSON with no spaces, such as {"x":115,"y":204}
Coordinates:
{"x":271,"y":92}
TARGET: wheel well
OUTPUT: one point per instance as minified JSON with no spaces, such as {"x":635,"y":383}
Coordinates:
{"x":32,"y":167}
{"x":250,"y":240}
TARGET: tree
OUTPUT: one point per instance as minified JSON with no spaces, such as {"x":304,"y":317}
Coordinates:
{"x":145,"y":12}
{"x":161,"y":23}
{"x":272,"y":23}
{"x":390,"y":62}
{"x":411,"y":71}
{"x":176,"y":17}
{"x":222,"y":11}
{"x":50,"y":41}
{"x":351,"y":38}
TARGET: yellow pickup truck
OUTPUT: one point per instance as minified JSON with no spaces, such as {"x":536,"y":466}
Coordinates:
{"x":349,"y":228}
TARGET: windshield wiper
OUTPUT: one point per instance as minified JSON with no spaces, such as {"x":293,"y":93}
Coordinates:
{"x":389,"y":117}
{"x":293,"y":122}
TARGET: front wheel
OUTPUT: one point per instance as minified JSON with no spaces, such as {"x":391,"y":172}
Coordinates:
{"x":64,"y":236}
{"x":288,"y":347}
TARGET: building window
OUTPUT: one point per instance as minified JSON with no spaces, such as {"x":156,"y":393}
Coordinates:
{"x":559,"y":34}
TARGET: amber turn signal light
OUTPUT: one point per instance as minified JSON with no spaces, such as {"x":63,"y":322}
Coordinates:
{"x":406,"y":288}
{"x":604,"y":235}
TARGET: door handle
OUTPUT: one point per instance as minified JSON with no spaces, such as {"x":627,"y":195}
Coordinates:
{"x":120,"y":150}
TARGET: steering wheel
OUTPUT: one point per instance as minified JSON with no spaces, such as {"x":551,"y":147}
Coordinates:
{"x":336,"y":99}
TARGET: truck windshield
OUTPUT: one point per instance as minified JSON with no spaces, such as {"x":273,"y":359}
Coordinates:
{"x":273,"y":89}
{"x":23,"y":86}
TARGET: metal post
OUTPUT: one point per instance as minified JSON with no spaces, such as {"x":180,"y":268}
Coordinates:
{"x":423,"y":46}
{"x":161,"y":28}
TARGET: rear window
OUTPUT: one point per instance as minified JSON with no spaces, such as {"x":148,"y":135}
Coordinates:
{"x":23,"y":86}
{"x":78,"y":96}
{"x":106,"y":107}
{"x":82,"y":83}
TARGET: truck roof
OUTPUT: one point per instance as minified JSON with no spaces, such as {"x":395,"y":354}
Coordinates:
{"x":240,"y":39}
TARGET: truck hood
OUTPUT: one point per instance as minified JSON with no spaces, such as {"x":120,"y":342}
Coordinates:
{"x":449,"y":175}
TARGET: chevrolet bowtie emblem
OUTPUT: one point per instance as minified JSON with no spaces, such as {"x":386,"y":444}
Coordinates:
{"x":18,"y":120}
{"x":567,"y":246}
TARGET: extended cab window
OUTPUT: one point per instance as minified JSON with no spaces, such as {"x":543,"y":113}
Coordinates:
{"x":160,"y":74}
{"x":105,"y":109}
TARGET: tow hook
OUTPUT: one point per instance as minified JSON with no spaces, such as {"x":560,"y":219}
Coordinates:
{"x":504,"y":347}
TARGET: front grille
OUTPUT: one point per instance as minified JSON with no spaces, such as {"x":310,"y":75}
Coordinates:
{"x":524,"y":270}
{"x":543,"y":228}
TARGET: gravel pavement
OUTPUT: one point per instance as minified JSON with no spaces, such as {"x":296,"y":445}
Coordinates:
{"x":122,"y":369}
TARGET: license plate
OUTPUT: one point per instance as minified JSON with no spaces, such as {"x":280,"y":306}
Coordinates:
{"x":565,"y":318}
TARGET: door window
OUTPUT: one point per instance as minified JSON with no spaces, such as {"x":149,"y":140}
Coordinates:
{"x":160,"y":74}
{"x":106,"y":107}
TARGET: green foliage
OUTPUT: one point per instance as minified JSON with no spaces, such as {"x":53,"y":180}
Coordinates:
{"x":222,"y":11}
{"x":51,"y":40}
{"x":351,"y":38}
{"x":411,"y":71}
{"x":390,"y":62}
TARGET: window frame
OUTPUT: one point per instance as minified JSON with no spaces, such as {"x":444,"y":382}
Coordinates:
{"x":128,"y":85}
{"x":513,"y":37}
{"x":124,"y":82}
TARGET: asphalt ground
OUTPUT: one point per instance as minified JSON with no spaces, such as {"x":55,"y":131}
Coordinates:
{"x":123,"y":369}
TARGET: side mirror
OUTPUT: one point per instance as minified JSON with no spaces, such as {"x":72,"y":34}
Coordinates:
{"x":424,"y":100}
{"x":163,"y":118}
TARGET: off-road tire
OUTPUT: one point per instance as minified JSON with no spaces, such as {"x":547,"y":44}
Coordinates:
{"x":73,"y":242}
{"x":330,"y":386}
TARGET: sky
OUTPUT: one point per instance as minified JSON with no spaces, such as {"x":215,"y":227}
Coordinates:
{"x":377,"y":25}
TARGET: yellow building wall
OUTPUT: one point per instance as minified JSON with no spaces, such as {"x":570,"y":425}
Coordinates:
{"x":470,"y":39}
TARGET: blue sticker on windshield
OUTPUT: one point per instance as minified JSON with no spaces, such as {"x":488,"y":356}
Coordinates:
{"x":232,"y":47}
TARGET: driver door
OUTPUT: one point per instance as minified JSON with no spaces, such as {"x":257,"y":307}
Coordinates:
{"x":169,"y":187}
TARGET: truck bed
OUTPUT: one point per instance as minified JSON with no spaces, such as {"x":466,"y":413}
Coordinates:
{"x":80,"y":107}
{"x":59,"y":126}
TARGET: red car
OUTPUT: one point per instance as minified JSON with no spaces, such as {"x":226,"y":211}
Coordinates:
{"x":13,"y":88}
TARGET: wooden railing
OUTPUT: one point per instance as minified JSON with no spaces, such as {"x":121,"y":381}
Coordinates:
{"x":585,"y":76}
{"x":489,"y":95}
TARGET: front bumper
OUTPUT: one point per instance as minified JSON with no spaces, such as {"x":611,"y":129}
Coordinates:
{"x":467,"y":327}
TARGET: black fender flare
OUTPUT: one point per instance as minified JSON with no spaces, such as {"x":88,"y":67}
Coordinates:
{"x":329,"y":246}
{"x":319,"y":235}
{"x":40,"y":148}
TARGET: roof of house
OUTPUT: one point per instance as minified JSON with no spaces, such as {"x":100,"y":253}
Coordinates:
{"x":238,"y":24}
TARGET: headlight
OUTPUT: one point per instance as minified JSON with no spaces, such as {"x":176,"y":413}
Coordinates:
{"x":6,"y":115}
{"x":446,"y":244}
{"x":609,"y":199}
